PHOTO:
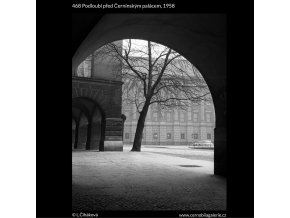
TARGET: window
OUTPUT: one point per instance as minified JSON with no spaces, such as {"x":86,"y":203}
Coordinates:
{"x":208,"y":136}
{"x":162,"y":116}
{"x":84,"y":69}
{"x":168,"y":135}
{"x":182,"y":117}
{"x":168,"y":116}
{"x":182,"y":136}
{"x":80,"y":70}
{"x":195,"y":136}
{"x":155,"y":136}
{"x":87,"y":68}
{"x":155,"y":116}
{"x":208,"y":117}
{"x":126,"y":135}
{"x":195,"y":117}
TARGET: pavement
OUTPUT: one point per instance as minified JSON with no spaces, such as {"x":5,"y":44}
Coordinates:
{"x":157,"y":178}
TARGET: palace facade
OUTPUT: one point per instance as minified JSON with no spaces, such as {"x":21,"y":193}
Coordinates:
{"x":172,"y":127}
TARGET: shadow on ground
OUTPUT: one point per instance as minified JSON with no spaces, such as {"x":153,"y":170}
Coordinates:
{"x":144,"y":181}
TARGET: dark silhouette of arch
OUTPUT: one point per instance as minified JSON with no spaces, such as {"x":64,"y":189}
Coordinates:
{"x":89,"y":107}
{"x":201,"y":39}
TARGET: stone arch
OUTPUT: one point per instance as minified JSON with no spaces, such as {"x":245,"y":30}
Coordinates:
{"x":81,"y":116}
{"x":89,"y":92}
{"x":105,"y":93}
{"x":201,"y":39}
{"x":90,"y":109}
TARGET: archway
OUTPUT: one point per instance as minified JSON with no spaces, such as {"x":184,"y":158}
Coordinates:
{"x":83,"y":132}
{"x":199,"y":38}
{"x":88,"y":125}
{"x":191,"y":127}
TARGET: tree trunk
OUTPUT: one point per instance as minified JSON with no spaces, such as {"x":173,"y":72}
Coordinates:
{"x":139,"y":129}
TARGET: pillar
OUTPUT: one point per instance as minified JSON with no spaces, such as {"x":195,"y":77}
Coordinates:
{"x":113,"y":134}
{"x":220,"y":151}
{"x":76,"y":135}
{"x":89,"y":135}
{"x":220,"y":133}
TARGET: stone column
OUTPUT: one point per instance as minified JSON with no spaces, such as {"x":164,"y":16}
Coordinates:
{"x":89,"y":135}
{"x":220,"y":134}
{"x":113,"y":134}
{"x":123,"y":117}
{"x":220,"y":150}
{"x":76,"y":135}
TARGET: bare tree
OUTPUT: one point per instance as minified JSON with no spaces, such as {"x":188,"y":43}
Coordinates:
{"x":154,"y":74}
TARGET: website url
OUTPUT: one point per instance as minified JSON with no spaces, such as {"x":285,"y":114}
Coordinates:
{"x":207,"y":215}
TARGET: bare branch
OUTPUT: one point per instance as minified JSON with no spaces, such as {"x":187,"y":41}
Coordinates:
{"x":154,"y":74}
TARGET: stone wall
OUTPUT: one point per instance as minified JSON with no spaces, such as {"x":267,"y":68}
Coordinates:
{"x":105,"y":92}
{"x":107,"y":96}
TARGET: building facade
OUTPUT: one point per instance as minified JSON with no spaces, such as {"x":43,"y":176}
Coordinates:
{"x":171,"y":127}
